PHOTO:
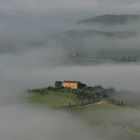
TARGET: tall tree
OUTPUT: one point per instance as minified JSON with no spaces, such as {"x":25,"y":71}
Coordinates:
{"x":58,"y":84}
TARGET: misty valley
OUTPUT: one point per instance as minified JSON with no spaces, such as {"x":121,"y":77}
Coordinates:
{"x":69,"y":70}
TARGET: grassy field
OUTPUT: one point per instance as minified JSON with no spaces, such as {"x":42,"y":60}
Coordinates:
{"x":54,"y":99}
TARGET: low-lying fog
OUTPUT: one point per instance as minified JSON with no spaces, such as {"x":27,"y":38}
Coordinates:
{"x":25,"y":122}
{"x":33,"y":50}
{"x":20,"y":120}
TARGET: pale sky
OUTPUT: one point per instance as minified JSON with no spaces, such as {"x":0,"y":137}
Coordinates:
{"x":132,"y":6}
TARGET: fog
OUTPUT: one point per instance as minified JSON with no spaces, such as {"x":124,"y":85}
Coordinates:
{"x":26,"y":122}
{"x":25,"y":25}
{"x":35,"y":48}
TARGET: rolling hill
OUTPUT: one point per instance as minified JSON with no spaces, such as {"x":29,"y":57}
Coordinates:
{"x":94,"y":33}
{"x":112,"y":19}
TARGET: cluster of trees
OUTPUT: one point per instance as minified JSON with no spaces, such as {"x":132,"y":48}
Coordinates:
{"x":58,"y":84}
{"x":126,"y":59}
{"x":44,"y":91}
{"x":93,"y":94}
{"x":40,"y":91}
{"x":129,"y":58}
{"x":116,"y":102}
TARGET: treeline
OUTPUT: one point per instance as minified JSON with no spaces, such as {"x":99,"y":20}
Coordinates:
{"x":94,"y":94}
{"x":40,"y":91}
{"x":117,"y":102}
{"x":45,"y":91}
{"x":89,"y":98}
{"x":84,"y":95}
{"x":127,"y":59}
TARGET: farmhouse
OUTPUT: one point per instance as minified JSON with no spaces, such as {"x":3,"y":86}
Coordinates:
{"x":73,"y":84}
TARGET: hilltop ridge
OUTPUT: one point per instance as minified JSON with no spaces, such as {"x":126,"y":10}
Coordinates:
{"x":112,"y":19}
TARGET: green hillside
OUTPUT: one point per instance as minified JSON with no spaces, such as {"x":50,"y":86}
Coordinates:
{"x":100,"y":115}
{"x":54,"y":99}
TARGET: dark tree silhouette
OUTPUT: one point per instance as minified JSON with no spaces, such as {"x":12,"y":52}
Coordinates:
{"x":58,"y":84}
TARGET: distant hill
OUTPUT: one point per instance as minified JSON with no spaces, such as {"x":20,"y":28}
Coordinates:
{"x":90,"y":33}
{"x":112,"y":19}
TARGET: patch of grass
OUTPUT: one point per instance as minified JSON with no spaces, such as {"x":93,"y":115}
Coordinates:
{"x":55,"y":99}
{"x":95,"y":107}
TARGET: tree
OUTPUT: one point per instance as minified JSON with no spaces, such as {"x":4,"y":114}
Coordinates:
{"x":81,"y":85}
{"x":58,"y":84}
